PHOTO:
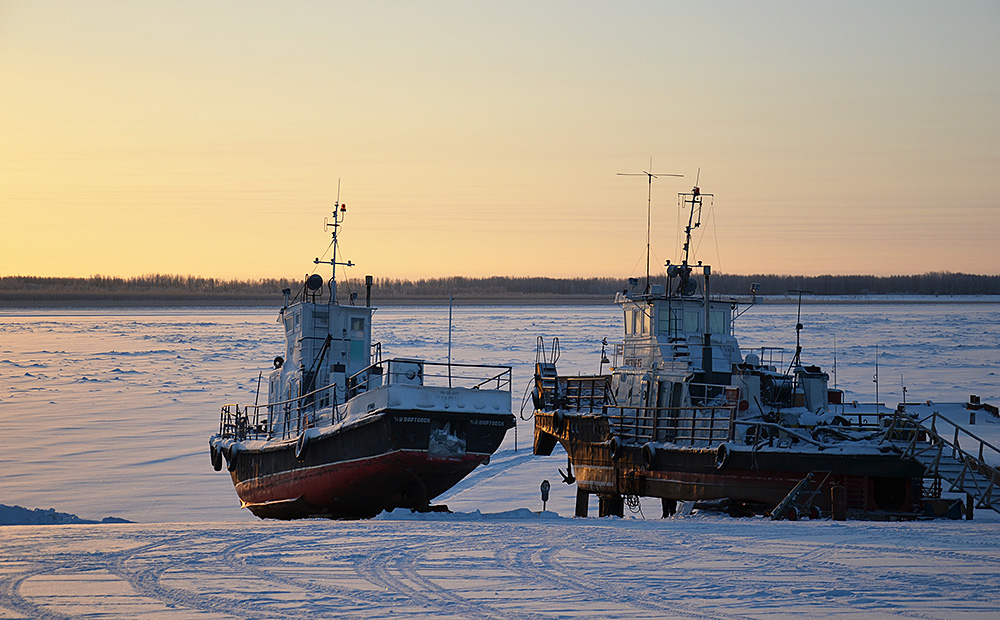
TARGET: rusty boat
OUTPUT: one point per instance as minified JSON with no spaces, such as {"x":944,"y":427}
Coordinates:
{"x":685,"y":415}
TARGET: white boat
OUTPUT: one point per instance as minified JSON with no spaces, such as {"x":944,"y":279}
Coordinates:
{"x":347,"y":434}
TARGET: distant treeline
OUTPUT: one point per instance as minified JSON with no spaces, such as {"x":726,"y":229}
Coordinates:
{"x":191,"y":290}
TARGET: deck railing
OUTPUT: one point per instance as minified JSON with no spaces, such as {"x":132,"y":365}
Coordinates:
{"x":688,"y":426}
{"x":952,"y":453}
{"x":288,"y":418}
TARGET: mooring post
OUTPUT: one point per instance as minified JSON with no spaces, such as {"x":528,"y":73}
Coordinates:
{"x":669,"y":507}
{"x":582,"y":503}
{"x":838,"y":501}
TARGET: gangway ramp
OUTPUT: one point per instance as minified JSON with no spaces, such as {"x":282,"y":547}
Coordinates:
{"x":955,"y":459}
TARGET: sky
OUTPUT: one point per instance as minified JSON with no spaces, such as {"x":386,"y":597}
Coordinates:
{"x":480,"y":139}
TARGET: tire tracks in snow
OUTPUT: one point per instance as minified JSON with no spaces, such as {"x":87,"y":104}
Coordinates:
{"x":143,"y":569}
{"x":413,"y":565}
{"x":542,"y":564}
{"x":12,"y":599}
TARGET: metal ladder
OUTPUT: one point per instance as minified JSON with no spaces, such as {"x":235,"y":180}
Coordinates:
{"x":950,"y":465}
{"x":800,"y":499}
{"x":546,"y":376}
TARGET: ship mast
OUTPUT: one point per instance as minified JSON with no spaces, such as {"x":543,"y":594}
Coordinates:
{"x":339,"y":213}
{"x":649,"y":204}
{"x":694,"y":199}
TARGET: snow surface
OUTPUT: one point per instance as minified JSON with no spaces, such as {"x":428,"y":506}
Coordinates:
{"x":107,"y":413}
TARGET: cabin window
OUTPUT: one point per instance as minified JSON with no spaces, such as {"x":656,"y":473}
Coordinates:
{"x":357,"y":327}
{"x":719,"y":322}
{"x":669,"y":321}
{"x":633,"y":322}
{"x":663,"y":320}
{"x":691,"y":322}
{"x":646,"y":322}
{"x":321,"y":318}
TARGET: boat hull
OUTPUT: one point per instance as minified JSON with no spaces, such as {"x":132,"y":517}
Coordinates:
{"x":387,"y":459}
{"x":876,"y":482}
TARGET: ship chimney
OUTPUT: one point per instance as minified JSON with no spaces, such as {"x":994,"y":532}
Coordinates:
{"x":368,"y":291}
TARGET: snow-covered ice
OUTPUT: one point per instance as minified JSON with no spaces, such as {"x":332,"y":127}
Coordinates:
{"x":107,"y":413}
{"x":517,"y":566}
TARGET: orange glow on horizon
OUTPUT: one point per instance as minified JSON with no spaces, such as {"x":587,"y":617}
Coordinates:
{"x":209,"y":141}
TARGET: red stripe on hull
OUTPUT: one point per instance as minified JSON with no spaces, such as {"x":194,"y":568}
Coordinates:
{"x":356,"y":489}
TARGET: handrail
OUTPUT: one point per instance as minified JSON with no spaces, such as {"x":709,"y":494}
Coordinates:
{"x":295,"y":414}
{"x":934,"y":417}
{"x":650,"y":423}
{"x":633,"y":354}
{"x":364,"y":378}
{"x":971,"y":465}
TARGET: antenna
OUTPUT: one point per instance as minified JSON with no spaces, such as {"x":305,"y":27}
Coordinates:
{"x":339,"y":213}
{"x":649,"y":204}
{"x":796,"y":362}
{"x":694,"y":198}
{"x":875,"y":378}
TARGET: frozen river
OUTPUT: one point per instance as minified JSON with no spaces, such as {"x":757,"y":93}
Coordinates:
{"x":108,"y":412}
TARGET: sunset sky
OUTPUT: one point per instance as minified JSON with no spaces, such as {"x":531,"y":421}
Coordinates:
{"x":477,"y":139}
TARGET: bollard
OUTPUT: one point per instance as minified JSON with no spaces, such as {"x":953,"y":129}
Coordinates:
{"x":545,"y":493}
{"x":838,"y":501}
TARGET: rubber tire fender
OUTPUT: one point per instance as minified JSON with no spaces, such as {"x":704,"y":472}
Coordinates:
{"x":649,"y":456}
{"x":301,"y":445}
{"x":232,"y":455}
{"x":617,"y":449}
{"x":722,"y":455}
{"x":558,"y":420}
{"x":216,"y":458}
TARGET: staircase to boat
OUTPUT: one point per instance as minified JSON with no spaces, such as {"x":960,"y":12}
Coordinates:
{"x":955,"y":459}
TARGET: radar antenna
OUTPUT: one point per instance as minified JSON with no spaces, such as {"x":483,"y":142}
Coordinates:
{"x":649,"y":204}
{"x":339,"y":213}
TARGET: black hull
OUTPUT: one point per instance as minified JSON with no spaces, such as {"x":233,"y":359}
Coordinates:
{"x":875,"y":483}
{"x":383,"y":461}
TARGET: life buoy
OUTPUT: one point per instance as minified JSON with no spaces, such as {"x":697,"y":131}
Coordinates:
{"x":300,"y":446}
{"x":722,"y":457}
{"x":649,"y":456}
